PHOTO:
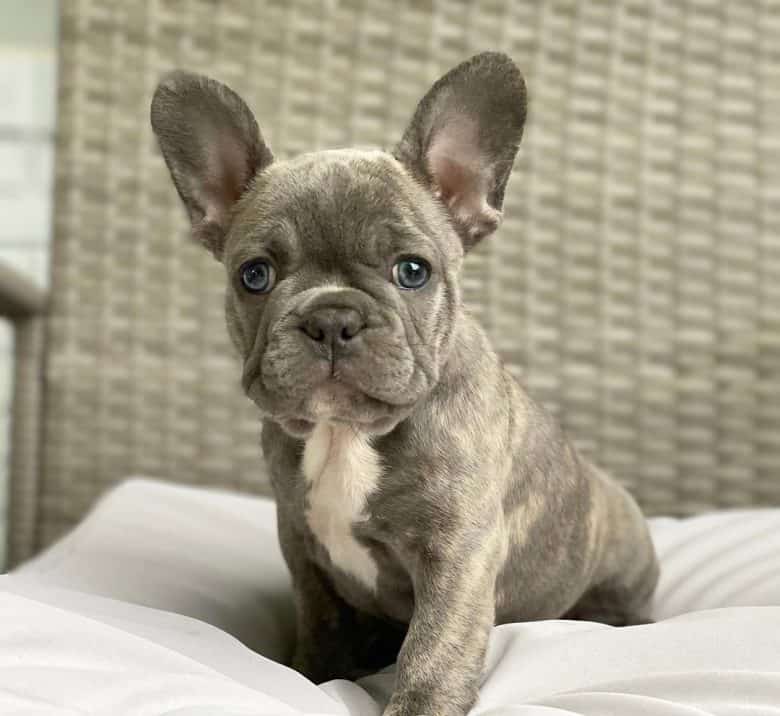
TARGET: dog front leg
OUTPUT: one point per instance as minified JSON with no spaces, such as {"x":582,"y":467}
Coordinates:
{"x":442,"y":657}
{"x":335,"y":640}
{"x":325,"y":627}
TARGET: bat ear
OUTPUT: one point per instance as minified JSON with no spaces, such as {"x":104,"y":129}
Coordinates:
{"x":212,"y":146}
{"x":463,"y":138}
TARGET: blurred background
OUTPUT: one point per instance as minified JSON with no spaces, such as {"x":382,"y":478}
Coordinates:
{"x":634,"y":287}
{"x":28,"y":92}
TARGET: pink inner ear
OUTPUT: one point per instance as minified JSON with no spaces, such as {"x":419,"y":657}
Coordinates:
{"x":462,"y":176}
{"x":227,"y":174}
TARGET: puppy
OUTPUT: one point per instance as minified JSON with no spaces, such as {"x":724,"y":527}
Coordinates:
{"x":422,"y":495}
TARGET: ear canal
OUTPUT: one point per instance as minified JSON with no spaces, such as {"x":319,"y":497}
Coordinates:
{"x":212,"y":147}
{"x":463,"y":138}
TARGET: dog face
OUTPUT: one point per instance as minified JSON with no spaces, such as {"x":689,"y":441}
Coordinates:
{"x":342,"y":266}
{"x":354,"y":297}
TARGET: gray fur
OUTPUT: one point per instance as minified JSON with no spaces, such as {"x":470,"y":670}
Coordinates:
{"x":484,"y":512}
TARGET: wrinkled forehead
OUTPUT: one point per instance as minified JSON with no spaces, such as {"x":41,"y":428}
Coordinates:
{"x":339,"y":201}
{"x":329,"y":179}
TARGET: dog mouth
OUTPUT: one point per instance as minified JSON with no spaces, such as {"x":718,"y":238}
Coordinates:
{"x":338,"y":402}
{"x":372,"y":387}
{"x":322,"y":394}
{"x":333,"y":401}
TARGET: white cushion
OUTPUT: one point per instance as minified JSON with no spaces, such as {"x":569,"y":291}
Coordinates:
{"x":203,"y":553}
{"x":77,"y":638}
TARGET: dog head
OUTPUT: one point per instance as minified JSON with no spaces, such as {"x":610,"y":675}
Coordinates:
{"x":343,"y":266}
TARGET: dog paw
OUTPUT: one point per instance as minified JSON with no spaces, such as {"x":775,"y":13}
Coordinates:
{"x":416,"y":703}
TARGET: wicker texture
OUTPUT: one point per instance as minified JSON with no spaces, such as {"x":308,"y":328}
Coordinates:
{"x":634,"y":287}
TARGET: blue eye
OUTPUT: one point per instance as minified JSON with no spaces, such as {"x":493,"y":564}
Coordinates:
{"x":411,"y":273}
{"x":258,"y":276}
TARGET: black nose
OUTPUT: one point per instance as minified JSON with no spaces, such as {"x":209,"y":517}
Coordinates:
{"x":333,"y":326}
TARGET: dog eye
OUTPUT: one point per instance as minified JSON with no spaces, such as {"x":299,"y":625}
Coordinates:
{"x":411,"y":272}
{"x":258,"y":276}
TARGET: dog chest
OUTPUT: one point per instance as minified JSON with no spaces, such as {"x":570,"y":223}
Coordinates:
{"x":341,"y":469}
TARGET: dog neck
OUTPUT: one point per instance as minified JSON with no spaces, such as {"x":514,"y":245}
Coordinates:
{"x":342,"y":469}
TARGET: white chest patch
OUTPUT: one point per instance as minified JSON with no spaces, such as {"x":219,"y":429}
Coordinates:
{"x":342,"y":469}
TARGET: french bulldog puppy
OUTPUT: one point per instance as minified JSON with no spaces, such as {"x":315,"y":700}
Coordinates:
{"x":422,"y":495}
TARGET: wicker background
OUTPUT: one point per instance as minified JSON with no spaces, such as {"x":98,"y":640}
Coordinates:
{"x":634,"y":287}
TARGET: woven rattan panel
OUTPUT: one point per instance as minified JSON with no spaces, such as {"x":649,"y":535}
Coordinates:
{"x":634,"y":287}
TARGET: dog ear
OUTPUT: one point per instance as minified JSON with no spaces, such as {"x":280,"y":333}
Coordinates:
{"x":212,"y":146}
{"x":463,"y":139}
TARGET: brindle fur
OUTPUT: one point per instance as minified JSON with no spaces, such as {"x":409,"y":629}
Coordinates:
{"x":484,"y":512}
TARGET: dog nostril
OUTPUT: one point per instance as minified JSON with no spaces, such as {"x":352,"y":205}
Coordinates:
{"x":313,"y":331}
{"x":330,"y":325}
{"x":351,"y":328}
